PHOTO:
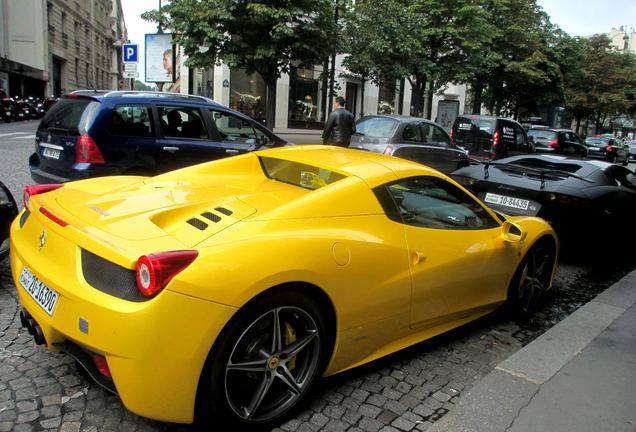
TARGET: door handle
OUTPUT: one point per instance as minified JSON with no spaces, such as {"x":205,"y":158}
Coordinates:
{"x":232,"y":151}
{"x":418,"y":257}
{"x":171,"y":149}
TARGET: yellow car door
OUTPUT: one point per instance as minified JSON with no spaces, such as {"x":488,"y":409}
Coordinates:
{"x":460,"y":263}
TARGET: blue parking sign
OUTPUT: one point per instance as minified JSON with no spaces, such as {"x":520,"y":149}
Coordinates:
{"x":131,"y":53}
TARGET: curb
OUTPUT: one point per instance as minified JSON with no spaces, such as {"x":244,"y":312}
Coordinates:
{"x":496,"y":401}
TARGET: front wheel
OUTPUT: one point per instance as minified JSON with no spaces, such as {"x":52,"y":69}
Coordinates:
{"x":532,"y":279}
{"x":265,"y":362}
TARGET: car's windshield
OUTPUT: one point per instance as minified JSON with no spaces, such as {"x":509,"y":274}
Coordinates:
{"x":542,"y":134}
{"x":298,"y":174}
{"x":376,"y":127}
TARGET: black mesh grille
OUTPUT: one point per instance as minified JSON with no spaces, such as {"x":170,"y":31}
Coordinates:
{"x":211,"y":216}
{"x":223,"y":210}
{"x":110,"y":278}
{"x":197,"y":223}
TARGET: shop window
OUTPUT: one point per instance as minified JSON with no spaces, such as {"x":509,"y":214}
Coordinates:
{"x":387,"y":92}
{"x":304,"y":98}
{"x":248,"y":94}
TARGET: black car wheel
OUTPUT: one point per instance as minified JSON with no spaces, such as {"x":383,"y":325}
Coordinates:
{"x":532,"y":279}
{"x":265,"y":363}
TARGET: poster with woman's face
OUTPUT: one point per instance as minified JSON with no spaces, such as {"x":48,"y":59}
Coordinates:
{"x":160,"y":57}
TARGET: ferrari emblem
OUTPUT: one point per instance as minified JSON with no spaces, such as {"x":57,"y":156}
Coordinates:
{"x":42,"y":239}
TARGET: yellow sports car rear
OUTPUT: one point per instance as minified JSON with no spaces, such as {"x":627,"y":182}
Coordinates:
{"x":223,"y":291}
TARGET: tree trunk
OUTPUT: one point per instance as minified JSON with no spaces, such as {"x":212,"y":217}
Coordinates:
{"x":598,"y":122}
{"x":270,"y":116}
{"x":478,"y":89}
{"x":429,"y":101}
{"x":363,"y":80}
{"x":578,"y":125}
{"x":418,"y":85}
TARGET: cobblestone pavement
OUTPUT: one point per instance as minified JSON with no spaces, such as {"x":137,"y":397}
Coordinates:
{"x":407,"y":391}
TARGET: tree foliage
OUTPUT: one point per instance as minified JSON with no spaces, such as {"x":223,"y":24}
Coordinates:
{"x":423,"y":41}
{"x":257,"y":36}
{"x":603,"y":81}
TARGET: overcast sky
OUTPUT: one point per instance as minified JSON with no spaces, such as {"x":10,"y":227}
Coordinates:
{"x":577,"y":17}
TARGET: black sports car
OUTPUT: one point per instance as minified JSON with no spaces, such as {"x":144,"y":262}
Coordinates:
{"x":579,"y":197}
{"x":8,"y":211}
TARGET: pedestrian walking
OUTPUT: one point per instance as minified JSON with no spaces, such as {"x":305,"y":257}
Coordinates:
{"x":340,"y":125}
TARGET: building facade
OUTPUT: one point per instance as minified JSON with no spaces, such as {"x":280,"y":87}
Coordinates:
{"x":85,"y":40}
{"x":301,"y":96}
{"x":57,"y":46}
{"x":24,"y":68}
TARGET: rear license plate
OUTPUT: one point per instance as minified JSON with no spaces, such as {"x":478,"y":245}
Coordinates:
{"x":507,"y":201}
{"x":43,"y":295}
{"x":51,"y":153}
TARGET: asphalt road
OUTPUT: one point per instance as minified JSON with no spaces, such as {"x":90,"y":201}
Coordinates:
{"x":407,"y":391}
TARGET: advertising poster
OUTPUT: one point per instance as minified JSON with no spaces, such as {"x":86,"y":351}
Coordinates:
{"x":160,"y":58}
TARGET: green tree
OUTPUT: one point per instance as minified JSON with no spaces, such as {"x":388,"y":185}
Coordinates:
{"x":604,"y":84}
{"x":423,"y":41}
{"x":520,"y":71}
{"x":257,"y":36}
{"x":142,"y":86}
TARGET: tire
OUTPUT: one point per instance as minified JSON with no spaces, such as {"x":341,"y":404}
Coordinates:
{"x":254,"y":376}
{"x":531,"y":280}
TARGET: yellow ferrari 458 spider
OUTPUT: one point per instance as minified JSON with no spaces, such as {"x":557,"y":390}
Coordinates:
{"x":222,"y":291}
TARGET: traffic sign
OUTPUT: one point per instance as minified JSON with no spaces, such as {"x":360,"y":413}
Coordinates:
{"x":130,"y":67}
{"x":131,"y":74}
{"x":131,"y":53}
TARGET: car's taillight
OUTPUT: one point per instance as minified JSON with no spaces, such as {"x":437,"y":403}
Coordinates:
{"x":102,"y":365}
{"x":388,"y":150}
{"x":452,"y":135}
{"x":495,"y":139}
{"x":154,"y":271}
{"x":86,"y":150}
{"x":33,"y":190}
{"x":554,"y":143}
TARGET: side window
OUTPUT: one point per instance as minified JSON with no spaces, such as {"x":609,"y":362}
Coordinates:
{"x":234,"y":129}
{"x":181,"y":122}
{"x":132,"y":120}
{"x":430,"y":202}
{"x":434,"y":135}
{"x":521,"y":142}
{"x":412,"y":133}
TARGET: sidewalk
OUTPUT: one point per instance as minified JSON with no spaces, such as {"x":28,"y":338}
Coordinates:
{"x":578,"y":376}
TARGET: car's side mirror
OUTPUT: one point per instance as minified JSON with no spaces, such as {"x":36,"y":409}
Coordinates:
{"x":513,"y":232}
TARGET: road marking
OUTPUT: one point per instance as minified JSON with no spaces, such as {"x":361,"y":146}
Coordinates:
{"x":13,"y":133}
{"x":25,"y":137}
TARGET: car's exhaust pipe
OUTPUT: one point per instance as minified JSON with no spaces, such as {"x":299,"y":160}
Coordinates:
{"x":33,"y":328}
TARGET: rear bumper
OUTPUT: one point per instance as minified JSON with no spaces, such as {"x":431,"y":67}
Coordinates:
{"x":155,"y":350}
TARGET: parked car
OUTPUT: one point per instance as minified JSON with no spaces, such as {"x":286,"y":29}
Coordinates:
{"x":49,"y":102}
{"x":23,"y":110}
{"x":8,"y":212}
{"x":490,"y":138}
{"x":558,"y":141}
{"x":580,"y":198}
{"x":8,"y":110}
{"x":410,"y":138}
{"x":95,"y":133}
{"x":607,"y":148}
{"x":631,"y":146}
{"x":267,"y":270}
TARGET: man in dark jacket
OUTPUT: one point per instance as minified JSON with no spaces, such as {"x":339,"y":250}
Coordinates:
{"x":340,"y":125}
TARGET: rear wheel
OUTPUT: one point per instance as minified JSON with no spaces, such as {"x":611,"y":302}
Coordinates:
{"x":532,"y":279}
{"x":265,"y":364}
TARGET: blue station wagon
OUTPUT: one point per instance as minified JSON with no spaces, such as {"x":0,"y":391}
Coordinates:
{"x":97,"y":133}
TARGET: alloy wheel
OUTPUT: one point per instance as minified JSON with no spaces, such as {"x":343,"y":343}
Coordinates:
{"x":533,"y":280}
{"x":272,"y":364}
